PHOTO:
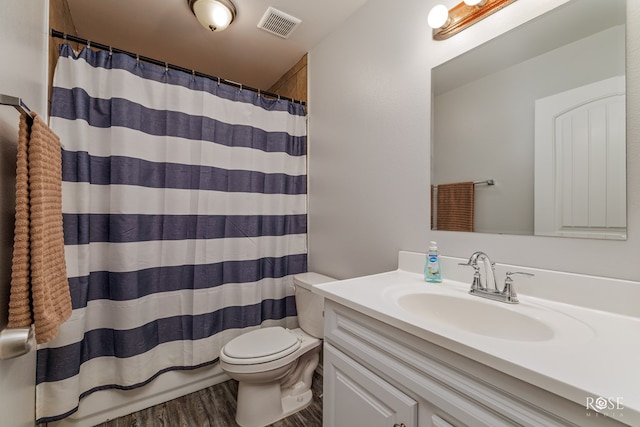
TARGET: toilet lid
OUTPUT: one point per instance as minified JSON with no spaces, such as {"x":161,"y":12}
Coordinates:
{"x":261,"y":343}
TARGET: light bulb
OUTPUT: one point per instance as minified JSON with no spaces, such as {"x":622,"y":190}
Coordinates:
{"x":438,"y":17}
{"x":220,"y":16}
{"x":475,"y":2}
{"x":212,"y":14}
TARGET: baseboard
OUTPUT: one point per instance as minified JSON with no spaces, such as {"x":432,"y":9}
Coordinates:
{"x":106,"y":405}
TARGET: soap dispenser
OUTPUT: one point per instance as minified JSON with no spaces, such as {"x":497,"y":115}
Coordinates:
{"x":432,"y":270}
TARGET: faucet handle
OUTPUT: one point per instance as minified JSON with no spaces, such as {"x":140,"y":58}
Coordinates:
{"x":509,"y":292}
{"x":514,"y":273}
{"x":476,"y":284}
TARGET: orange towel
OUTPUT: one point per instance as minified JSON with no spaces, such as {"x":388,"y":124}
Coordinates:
{"x":39,"y":284}
{"x":455,"y":206}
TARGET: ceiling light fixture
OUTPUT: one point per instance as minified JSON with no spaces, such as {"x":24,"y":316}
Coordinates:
{"x":215,"y":15}
{"x":446,"y":23}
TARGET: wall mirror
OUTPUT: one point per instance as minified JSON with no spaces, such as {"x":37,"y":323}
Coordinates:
{"x":540,"y":110}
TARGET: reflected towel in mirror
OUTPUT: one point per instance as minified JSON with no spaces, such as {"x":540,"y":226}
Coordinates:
{"x":454,"y":206}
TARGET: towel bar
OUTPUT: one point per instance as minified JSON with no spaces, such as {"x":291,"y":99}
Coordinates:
{"x":16,"y":103}
{"x":16,"y":342}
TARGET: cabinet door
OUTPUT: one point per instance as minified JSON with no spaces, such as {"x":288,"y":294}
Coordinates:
{"x":355,"y":396}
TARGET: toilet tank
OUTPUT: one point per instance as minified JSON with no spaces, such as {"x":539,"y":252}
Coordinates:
{"x":309,"y":305}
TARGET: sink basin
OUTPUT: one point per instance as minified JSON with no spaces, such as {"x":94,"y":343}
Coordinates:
{"x":478,"y":316}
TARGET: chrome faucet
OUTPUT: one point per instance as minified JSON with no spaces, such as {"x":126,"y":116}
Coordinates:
{"x":489,"y":270}
{"x":490,"y":289}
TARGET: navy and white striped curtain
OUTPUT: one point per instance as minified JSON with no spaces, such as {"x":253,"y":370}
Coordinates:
{"x":184,"y":205}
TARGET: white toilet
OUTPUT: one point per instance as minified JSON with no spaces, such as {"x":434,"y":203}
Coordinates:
{"x":274,"y":366}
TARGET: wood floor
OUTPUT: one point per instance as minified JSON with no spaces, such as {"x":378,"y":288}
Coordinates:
{"x":214,"y":407}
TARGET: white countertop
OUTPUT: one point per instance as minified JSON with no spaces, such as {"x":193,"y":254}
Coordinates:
{"x":593,"y":353}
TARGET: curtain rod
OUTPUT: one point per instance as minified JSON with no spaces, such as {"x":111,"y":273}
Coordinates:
{"x":89,"y":43}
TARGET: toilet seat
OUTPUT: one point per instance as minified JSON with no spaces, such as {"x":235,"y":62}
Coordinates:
{"x":260,"y":346}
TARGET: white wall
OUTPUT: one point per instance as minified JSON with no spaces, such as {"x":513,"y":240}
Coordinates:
{"x":368,"y":140}
{"x":369,"y":136}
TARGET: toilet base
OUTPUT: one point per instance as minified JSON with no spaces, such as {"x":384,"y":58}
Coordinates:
{"x":293,"y":404}
{"x":267,"y":404}
{"x":261,"y":404}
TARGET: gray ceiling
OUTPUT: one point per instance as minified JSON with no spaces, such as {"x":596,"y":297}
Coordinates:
{"x":167,"y":30}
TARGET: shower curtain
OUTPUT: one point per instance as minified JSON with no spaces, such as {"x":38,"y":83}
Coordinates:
{"x":184,"y":206}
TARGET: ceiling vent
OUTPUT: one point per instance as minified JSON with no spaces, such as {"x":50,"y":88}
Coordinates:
{"x":279,"y":23}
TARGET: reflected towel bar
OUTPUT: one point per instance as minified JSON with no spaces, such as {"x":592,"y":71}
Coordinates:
{"x":486,"y":181}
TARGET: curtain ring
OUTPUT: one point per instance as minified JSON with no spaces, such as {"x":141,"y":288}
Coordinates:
{"x":240,"y":87}
{"x":89,"y":44}
{"x":110,"y":51}
{"x":218,"y":81}
{"x":166,"y":67}
{"x":137,"y":58}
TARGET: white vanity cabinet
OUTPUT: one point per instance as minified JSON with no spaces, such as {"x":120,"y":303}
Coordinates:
{"x":378,"y":375}
{"x":359,"y":397}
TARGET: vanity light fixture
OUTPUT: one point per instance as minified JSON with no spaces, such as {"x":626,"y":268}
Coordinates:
{"x":446,"y":23}
{"x":475,"y":2}
{"x":439,"y":16}
{"x":215,"y":15}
